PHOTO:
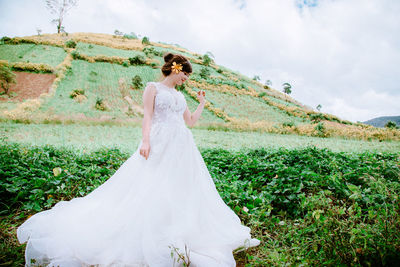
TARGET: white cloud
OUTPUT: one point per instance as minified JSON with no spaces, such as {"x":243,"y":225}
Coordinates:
{"x":342,"y":54}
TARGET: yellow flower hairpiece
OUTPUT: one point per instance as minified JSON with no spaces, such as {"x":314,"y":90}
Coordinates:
{"x":176,"y":67}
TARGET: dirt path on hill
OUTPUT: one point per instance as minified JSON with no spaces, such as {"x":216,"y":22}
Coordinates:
{"x":29,"y":85}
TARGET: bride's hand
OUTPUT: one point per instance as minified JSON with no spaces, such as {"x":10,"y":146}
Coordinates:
{"x":201,"y":96}
{"x":145,"y":150}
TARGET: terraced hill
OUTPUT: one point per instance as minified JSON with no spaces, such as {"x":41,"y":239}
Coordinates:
{"x":98,"y":78}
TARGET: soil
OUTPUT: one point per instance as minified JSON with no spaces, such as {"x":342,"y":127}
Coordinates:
{"x":29,"y":85}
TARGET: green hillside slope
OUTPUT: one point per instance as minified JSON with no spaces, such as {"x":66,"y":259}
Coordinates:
{"x":95,"y":84}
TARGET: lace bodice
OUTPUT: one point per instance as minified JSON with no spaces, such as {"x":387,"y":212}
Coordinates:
{"x":169,"y":105}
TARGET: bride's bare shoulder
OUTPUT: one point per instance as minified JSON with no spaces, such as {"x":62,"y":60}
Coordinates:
{"x":151,"y":88}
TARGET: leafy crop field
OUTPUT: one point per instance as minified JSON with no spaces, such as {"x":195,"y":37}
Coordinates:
{"x":97,"y":50}
{"x":247,"y":107}
{"x":32,"y":53}
{"x":99,"y":80}
{"x":307,"y":206}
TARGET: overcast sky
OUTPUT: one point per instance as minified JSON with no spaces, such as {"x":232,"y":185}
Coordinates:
{"x":342,"y":54}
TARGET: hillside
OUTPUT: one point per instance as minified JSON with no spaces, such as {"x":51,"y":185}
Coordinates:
{"x":88,"y":78}
{"x":381,"y":121}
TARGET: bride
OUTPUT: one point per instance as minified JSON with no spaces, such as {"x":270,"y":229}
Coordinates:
{"x":159,"y":209}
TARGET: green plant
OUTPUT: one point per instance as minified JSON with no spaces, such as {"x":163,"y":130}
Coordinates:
{"x":391,"y":125}
{"x":321,"y":130}
{"x":137,"y":82}
{"x":5,"y":40}
{"x":207,"y":60}
{"x":262,"y":94}
{"x":90,"y":46}
{"x":75,"y":54}
{"x":204,"y":72}
{"x":76,"y":92}
{"x":132,"y":35}
{"x":145,"y":40}
{"x":70,"y":44}
{"x":100,"y":104}
{"x":125,"y":63}
{"x":151,"y":51}
{"x":7,"y":77}
{"x":288,"y":124}
{"x":137,"y":60}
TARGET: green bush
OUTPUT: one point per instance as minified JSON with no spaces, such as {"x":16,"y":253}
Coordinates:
{"x":149,"y":51}
{"x":391,"y":125}
{"x":100,"y":104}
{"x":70,"y":44}
{"x":76,"y":92}
{"x":145,"y":40}
{"x":125,"y":63}
{"x":5,"y":40}
{"x":137,"y":60}
{"x":132,"y":35}
{"x":262,"y":94}
{"x":204,"y":73}
{"x":315,"y":206}
{"x":137,"y":82}
{"x":75,"y":54}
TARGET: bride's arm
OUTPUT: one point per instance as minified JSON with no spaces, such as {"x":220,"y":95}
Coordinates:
{"x":192,"y":118}
{"x":148,"y":103}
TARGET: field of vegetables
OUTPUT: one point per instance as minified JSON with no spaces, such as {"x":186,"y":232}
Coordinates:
{"x":98,"y":80}
{"x":308,"y":206}
{"x":32,"y":53}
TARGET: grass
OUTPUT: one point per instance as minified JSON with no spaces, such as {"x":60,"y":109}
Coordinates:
{"x":32,"y":53}
{"x":127,"y":138}
{"x":247,"y":107}
{"x":98,"y":50}
{"x":99,"y":80}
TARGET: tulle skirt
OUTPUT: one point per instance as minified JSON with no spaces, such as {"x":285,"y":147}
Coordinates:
{"x":149,"y":213}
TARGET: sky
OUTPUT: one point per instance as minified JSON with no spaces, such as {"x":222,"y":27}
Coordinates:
{"x":341,"y":54}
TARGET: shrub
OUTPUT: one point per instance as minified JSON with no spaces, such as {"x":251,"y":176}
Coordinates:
{"x":220,"y":71}
{"x":100,"y":104}
{"x":207,"y":60}
{"x":70,"y":44}
{"x":7,"y":77}
{"x":76,"y":92}
{"x":125,"y":63}
{"x":262,"y":94}
{"x":391,"y":125}
{"x":145,"y":40}
{"x":288,"y":124}
{"x":321,"y":130}
{"x":132,"y":35}
{"x":151,"y":51}
{"x":316,"y":117}
{"x":90,"y":46}
{"x":137,"y":60}
{"x":204,"y":73}
{"x":137,"y":82}
{"x":75,"y":54}
{"x":5,"y":40}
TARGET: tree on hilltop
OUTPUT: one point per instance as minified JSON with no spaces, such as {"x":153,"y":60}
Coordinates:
{"x":287,"y":88}
{"x":60,"y":8}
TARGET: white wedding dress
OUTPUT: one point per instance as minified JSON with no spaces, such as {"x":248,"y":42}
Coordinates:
{"x":146,"y":212}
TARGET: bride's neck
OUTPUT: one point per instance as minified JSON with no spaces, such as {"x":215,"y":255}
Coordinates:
{"x":168,"y":82}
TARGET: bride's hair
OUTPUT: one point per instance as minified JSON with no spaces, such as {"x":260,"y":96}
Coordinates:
{"x":178,"y":59}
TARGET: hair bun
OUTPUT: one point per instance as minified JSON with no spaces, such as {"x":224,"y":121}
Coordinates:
{"x":168,"y":57}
